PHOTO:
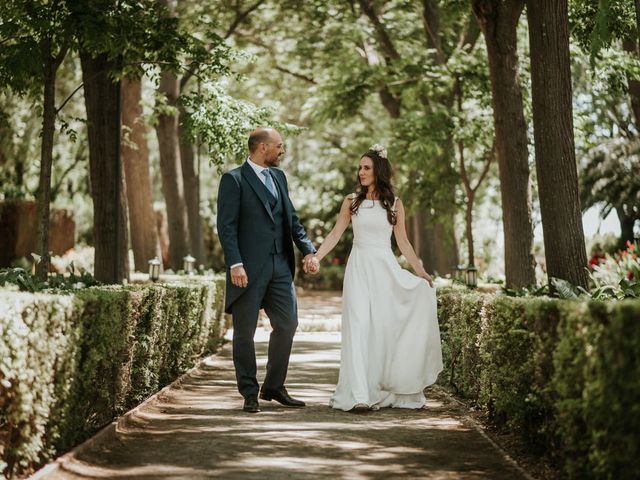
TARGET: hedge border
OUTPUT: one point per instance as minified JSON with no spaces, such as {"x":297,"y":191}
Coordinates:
{"x":70,"y":364}
{"x":562,"y":374}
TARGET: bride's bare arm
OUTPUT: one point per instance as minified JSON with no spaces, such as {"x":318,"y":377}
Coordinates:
{"x":405,"y":246}
{"x":344,"y":217}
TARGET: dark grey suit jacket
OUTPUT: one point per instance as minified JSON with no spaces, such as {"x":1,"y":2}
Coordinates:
{"x":246,"y":227}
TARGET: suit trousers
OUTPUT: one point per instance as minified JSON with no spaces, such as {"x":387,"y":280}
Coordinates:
{"x":273,"y":290}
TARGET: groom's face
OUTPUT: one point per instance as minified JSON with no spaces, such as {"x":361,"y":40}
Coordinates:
{"x":274,"y":149}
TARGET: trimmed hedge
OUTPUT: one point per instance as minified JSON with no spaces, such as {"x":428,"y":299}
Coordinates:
{"x":70,"y":364}
{"x":563,"y":374}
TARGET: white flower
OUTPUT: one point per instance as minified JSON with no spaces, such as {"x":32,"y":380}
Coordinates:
{"x":379,"y":149}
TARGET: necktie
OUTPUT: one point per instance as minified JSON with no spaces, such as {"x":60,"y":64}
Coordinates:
{"x":269,"y":182}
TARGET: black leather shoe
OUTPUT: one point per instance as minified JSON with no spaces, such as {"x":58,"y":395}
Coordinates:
{"x":251,"y":404}
{"x":281,"y":396}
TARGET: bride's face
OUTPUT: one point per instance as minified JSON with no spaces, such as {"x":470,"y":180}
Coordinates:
{"x":365,"y":172}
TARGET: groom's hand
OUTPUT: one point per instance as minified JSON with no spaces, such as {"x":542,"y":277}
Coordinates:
{"x":311,"y":264}
{"x":239,"y":277}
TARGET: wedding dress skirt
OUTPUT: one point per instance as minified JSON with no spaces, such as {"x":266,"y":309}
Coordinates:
{"x":390,"y":336}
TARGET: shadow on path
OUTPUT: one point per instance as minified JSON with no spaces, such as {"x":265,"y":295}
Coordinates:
{"x":196,"y":429}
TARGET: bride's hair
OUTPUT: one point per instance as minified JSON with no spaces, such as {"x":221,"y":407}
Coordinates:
{"x":382,"y":177}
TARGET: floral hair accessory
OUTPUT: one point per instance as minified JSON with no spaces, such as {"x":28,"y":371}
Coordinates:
{"x":379,"y":149}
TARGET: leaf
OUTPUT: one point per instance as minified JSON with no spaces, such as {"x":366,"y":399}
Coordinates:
{"x":563,"y":288}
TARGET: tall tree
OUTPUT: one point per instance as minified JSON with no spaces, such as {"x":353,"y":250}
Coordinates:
{"x":135,"y":158}
{"x":171,"y":169}
{"x":191,"y":183}
{"x":470,"y":191}
{"x":556,"y":169}
{"x":102,"y":101}
{"x":188,"y":159}
{"x":170,"y":163}
{"x":115,"y":37}
{"x":499,"y":20}
{"x":36,"y":39}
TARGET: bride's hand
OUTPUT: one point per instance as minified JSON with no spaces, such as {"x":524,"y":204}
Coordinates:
{"x":426,"y":276}
{"x":311,"y":264}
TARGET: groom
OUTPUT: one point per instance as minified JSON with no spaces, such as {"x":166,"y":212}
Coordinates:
{"x":257,"y":226}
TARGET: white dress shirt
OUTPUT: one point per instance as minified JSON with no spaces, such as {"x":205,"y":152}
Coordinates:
{"x":258,"y":169}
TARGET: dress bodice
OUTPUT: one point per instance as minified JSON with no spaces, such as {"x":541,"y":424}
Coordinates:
{"x":371,"y":226}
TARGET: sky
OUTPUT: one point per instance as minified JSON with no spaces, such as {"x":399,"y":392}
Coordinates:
{"x":593,"y":224}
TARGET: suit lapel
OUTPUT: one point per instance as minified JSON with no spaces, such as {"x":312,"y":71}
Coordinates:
{"x":258,"y":187}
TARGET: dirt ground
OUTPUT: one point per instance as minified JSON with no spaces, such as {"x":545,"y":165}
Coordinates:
{"x":196,"y":428}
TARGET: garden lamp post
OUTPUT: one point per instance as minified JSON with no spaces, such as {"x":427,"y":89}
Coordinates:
{"x":188,"y":263}
{"x":154,"y":269}
{"x":472,"y":276}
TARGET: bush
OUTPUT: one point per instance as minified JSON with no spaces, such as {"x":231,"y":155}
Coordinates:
{"x":70,"y":364}
{"x":560,"y":373}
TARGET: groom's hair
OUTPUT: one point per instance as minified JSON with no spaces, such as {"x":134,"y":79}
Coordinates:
{"x":258,"y":136}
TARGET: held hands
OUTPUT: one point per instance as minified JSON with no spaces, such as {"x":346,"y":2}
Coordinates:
{"x":311,"y":264}
{"x":239,"y":277}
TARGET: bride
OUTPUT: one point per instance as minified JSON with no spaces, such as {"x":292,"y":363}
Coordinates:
{"x":390,"y":336}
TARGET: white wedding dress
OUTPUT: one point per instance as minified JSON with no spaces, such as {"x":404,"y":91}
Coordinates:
{"x":390,"y":335}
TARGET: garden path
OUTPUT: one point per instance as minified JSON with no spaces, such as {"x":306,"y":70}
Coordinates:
{"x":195,"y":428}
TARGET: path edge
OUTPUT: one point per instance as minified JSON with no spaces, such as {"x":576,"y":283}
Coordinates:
{"x":58,"y":464}
{"x":479,"y":428}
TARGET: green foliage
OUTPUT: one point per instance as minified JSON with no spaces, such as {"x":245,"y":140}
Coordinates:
{"x":70,"y":364}
{"x":617,"y":275}
{"x":222,"y":122}
{"x":57,"y":283}
{"x":566,"y":290}
{"x":557,"y":372}
{"x":143,"y":35}
{"x":596,"y":24}
{"x":609,"y":178}
{"x":26,"y":28}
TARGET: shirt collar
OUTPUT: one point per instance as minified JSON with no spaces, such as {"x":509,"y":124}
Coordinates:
{"x":256,"y":168}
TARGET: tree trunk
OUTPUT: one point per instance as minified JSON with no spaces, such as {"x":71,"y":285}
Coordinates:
{"x":445,"y":244}
{"x":439,"y":250}
{"x":565,"y":252}
{"x":498,"y":21}
{"x":468,"y":217}
{"x":626,"y":228}
{"x":46,"y":157}
{"x":634,"y":94}
{"x":135,"y":159}
{"x":102,"y":101}
{"x":630,"y":45}
{"x":170,"y":166}
{"x":191,"y":179}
